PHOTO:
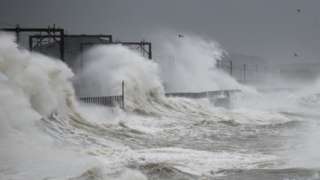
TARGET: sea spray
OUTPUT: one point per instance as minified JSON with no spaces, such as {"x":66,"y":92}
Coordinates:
{"x":188,"y":64}
{"x":108,"y":65}
{"x":37,"y":101}
{"x":173,"y":133}
{"x":44,"y":81}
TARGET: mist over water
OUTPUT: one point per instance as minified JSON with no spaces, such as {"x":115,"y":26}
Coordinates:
{"x":188,"y":63}
{"x":45,"y":133}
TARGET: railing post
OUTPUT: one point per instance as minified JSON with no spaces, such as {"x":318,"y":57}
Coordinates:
{"x":62,"y":45}
{"x":18,"y":33}
{"x":244,"y":73}
{"x":150,"y":51}
{"x":30,"y":43}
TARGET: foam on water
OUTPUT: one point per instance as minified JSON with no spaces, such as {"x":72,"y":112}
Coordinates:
{"x":106,"y":66}
{"x":33,"y":88}
{"x":46,"y":133}
{"x":199,"y":162}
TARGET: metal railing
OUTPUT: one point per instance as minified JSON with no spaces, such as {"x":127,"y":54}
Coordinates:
{"x":111,"y":101}
{"x":204,"y":94}
{"x":219,"y":98}
{"x":105,"y":100}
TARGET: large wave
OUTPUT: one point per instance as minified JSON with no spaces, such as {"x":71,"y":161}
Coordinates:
{"x":108,"y":65}
{"x":35,"y":90}
{"x":46,"y":133}
{"x":188,"y":64}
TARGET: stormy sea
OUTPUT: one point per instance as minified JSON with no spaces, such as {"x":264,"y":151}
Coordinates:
{"x":46,"y":133}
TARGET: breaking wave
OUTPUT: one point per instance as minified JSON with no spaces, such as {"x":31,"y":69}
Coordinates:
{"x":47,"y":134}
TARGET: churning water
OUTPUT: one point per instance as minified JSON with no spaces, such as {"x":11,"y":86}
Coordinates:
{"x":45,"y":133}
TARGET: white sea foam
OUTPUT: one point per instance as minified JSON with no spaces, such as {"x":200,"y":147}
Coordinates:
{"x":200,"y":163}
{"x":188,"y":64}
{"x":45,"y":133}
{"x":33,"y":88}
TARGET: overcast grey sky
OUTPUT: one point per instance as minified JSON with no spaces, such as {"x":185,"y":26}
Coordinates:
{"x":272,"y":29}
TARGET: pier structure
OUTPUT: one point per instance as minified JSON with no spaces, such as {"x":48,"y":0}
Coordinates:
{"x":76,"y":44}
{"x":72,"y":46}
{"x":54,"y":42}
{"x":53,"y":33}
